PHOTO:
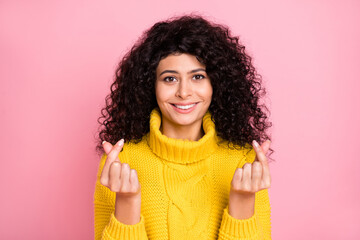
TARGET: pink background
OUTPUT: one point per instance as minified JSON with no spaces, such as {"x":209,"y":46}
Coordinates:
{"x":57,"y":60}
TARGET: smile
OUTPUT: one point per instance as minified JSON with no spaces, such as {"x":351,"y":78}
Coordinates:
{"x":184,"y":108}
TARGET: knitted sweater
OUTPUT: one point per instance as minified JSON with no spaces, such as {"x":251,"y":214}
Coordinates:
{"x":184,"y":190}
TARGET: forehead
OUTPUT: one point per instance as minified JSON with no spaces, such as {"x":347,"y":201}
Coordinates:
{"x":179,"y":61}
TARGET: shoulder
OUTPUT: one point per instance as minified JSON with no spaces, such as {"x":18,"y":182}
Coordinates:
{"x":135,"y":147}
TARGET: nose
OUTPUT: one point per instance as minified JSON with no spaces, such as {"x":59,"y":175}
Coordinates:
{"x":184,"y":89}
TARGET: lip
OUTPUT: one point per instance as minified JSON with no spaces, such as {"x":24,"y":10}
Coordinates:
{"x":184,"y":111}
{"x":184,"y":104}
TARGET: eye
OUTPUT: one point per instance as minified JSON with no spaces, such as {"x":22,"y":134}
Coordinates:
{"x":198,"y":77}
{"x":169,"y":79}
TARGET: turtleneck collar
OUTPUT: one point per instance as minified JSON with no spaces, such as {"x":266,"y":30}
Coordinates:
{"x":179,"y":150}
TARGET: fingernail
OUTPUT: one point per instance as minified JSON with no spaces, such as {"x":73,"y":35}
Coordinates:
{"x":103,"y":142}
{"x":256,"y":143}
{"x":121,"y":142}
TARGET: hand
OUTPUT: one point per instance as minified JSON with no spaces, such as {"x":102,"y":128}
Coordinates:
{"x":254,"y":177}
{"x":248,"y":180}
{"x":122,"y":180}
{"x":117,"y":176}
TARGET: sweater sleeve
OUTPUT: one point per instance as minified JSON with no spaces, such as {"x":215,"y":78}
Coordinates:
{"x":107,"y":227}
{"x":257,"y":227}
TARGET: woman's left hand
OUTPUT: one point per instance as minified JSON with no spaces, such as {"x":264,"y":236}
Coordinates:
{"x":248,"y":180}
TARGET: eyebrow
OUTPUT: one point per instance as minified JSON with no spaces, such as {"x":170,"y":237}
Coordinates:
{"x":192,"y":71}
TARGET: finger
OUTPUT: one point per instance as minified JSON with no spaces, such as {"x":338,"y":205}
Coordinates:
{"x":112,"y":155}
{"x":125,"y":177}
{"x":256,"y":175}
{"x":237,"y":178}
{"x":114,"y":176}
{"x":246,"y":179}
{"x":260,"y":155}
{"x":133,"y":176}
{"x":266,"y":178}
{"x":266,"y":146}
{"x":107,"y":147}
{"x":134,"y":181}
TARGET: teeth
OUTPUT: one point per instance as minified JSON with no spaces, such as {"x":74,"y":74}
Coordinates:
{"x":185,"y":107}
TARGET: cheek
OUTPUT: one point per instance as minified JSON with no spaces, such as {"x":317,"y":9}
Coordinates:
{"x":161,"y":93}
{"x":206,"y":92}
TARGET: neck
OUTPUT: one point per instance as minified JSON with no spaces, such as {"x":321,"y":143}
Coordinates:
{"x":182,"y":151}
{"x":192,"y":132}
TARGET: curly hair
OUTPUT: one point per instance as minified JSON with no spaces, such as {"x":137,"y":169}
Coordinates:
{"x":236,"y":108}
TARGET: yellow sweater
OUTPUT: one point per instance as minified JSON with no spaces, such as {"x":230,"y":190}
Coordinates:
{"x":184,"y":190}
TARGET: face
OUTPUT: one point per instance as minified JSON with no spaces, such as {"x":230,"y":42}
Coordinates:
{"x":183,"y":90}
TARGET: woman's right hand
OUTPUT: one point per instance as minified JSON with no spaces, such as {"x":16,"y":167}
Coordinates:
{"x":122,"y":180}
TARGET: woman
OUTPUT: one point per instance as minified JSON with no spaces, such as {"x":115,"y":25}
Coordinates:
{"x":181,"y":158}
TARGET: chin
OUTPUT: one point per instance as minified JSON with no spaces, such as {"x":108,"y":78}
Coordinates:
{"x":185,"y":120}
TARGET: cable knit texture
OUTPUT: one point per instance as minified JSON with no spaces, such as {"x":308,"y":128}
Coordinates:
{"x":184,"y":190}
